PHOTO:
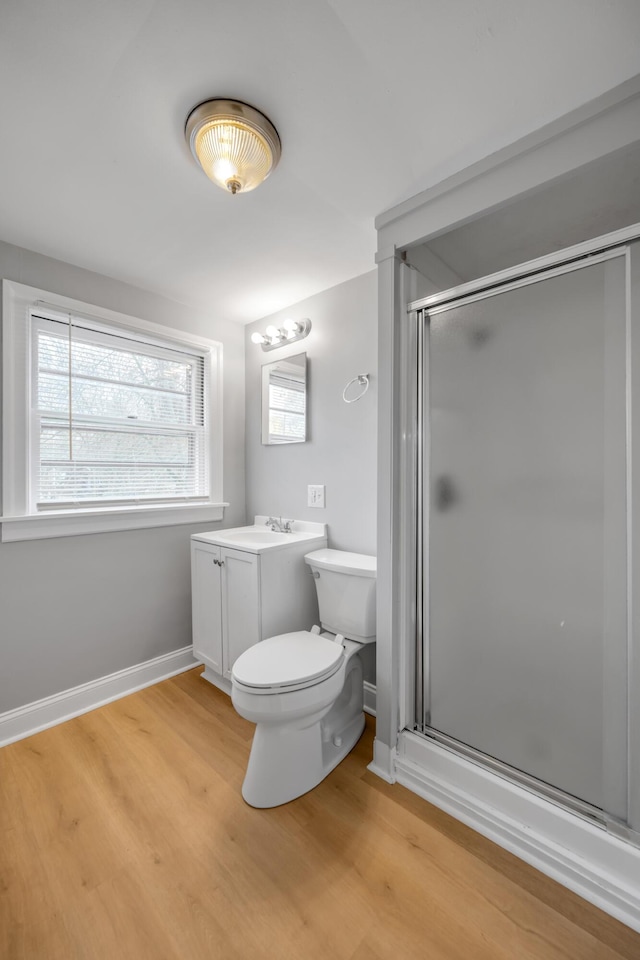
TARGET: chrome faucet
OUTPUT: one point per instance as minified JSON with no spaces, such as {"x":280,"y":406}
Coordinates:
{"x":278,"y":526}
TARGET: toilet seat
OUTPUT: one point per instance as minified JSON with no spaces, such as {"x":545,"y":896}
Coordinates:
{"x":288,"y":662}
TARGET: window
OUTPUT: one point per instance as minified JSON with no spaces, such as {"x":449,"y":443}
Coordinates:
{"x":106,"y":419}
{"x":115,"y":419}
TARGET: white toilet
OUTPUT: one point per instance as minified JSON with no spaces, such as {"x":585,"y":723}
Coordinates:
{"x":304,"y":690}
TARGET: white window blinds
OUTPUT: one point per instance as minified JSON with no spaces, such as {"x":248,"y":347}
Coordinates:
{"x":116,"y":418}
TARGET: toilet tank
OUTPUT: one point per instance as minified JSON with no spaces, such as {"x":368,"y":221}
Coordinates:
{"x":346,"y":586}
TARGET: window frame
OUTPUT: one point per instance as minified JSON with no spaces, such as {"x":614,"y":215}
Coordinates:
{"x":19,"y":520}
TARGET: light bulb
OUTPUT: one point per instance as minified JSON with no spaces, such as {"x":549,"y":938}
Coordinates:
{"x":291,"y":329}
{"x":273,"y":332}
{"x":258,"y":338}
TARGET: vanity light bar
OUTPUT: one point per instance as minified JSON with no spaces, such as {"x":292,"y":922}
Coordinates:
{"x":289,"y":332}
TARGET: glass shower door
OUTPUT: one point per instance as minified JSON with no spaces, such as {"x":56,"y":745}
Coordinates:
{"x":525,"y":528}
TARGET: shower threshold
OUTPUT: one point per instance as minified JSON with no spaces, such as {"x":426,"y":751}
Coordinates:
{"x":575,"y":805}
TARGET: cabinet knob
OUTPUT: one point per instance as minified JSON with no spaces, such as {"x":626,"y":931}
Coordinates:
{"x":219,"y":563}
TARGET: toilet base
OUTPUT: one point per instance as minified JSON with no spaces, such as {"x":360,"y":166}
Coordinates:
{"x":285,"y":764}
{"x":289,"y":759}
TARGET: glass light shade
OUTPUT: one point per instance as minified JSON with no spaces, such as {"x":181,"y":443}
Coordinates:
{"x":236,"y":146}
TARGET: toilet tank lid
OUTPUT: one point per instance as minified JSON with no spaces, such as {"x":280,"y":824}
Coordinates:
{"x":355,"y":564}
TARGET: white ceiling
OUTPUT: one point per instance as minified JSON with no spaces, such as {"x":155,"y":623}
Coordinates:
{"x":374,"y":101}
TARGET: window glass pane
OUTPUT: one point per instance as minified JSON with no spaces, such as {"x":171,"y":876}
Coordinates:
{"x":137,"y":418}
{"x":113,"y":400}
{"x":111,"y":363}
{"x":53,"y":353}
{"x":53,"y":393}
{"x":77,"y":482}
{"x":111,"y":383}
{"x":114,"y":445}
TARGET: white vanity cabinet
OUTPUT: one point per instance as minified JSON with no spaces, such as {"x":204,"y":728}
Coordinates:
{"x":245,"y":591}
{"x":225,"y":604}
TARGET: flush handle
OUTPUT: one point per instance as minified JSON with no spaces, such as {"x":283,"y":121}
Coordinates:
{"x":315,"y":574}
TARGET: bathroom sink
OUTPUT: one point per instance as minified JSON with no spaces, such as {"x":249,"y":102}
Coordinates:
{"x":252,"y":535}
{"x":259,"y":538}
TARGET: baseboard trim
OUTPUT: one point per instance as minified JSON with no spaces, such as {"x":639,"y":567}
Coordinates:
{"x":33,"y":717}
{"x":577,"y":853}
{"x":369,"y":698}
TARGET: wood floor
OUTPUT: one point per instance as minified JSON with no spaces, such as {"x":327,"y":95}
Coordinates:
{"x":123,"y":835}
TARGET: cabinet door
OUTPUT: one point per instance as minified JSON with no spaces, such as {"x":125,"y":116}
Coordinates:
{"x":240,"y":604}
{"x":206,"y":605}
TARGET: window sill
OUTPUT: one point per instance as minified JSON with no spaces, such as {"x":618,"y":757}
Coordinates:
{"x":43,"y":526}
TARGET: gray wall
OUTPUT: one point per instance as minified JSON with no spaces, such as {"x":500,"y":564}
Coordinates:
{"x":73,"y":609}
{"x":341,"y":448}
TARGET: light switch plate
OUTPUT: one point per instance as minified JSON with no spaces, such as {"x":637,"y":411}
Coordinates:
{"x":315,"y":495}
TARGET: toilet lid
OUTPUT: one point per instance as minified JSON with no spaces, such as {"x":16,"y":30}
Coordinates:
{"x":287,"y":660}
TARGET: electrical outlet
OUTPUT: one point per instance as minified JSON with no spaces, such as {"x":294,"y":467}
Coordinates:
{"x":315,"y":495}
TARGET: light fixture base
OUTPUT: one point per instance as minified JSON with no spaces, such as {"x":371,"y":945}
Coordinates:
{"x":287,"y":336}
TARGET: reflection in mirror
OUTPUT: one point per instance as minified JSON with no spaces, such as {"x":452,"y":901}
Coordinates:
{"x":284,"y":400}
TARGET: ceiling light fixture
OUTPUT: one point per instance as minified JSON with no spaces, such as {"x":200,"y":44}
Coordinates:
{"x":289,"y":332}
{"x":235,"y":144}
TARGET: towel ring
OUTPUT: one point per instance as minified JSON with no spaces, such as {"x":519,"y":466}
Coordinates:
{"x":362,"y":378}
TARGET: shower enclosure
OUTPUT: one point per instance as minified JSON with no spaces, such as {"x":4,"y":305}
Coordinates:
{"x":525,"y":641}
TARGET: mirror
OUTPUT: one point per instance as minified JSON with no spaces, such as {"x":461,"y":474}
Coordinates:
{"x":284,"y":400}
